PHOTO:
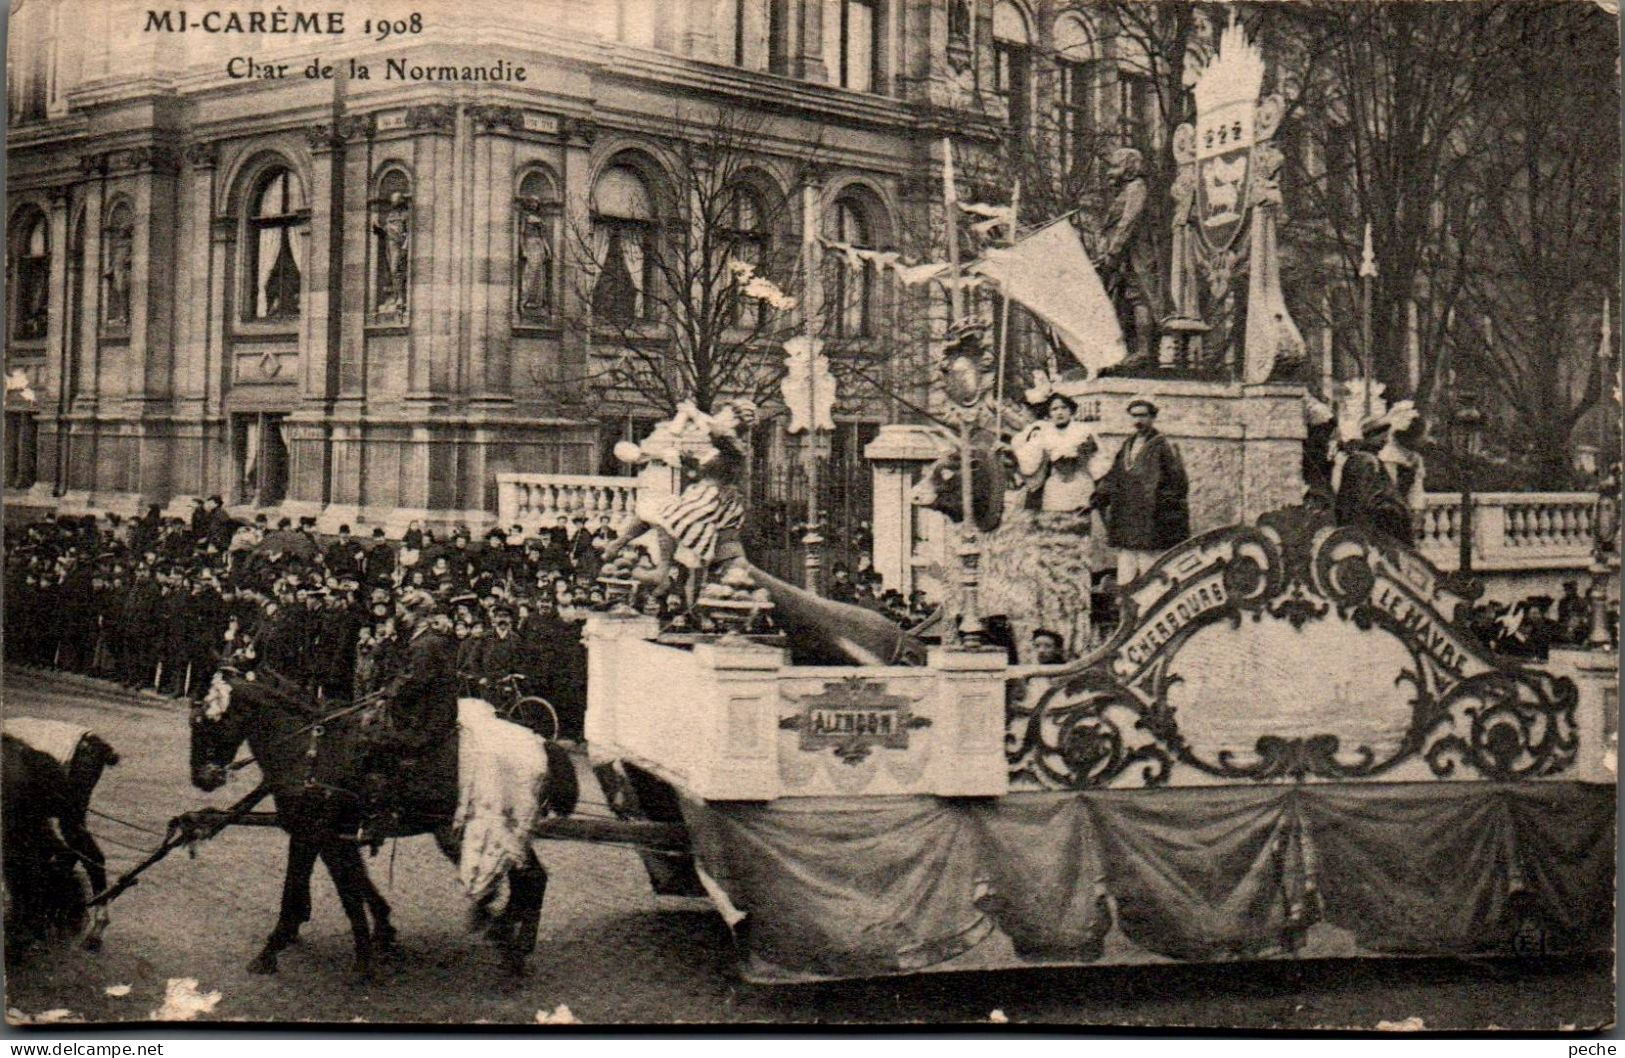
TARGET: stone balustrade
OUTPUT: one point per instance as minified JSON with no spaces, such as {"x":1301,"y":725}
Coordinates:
{"x":1511,"y":530}
{"x":527,"y":499}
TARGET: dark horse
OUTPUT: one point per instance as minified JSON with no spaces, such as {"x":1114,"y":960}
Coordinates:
{"x":311,"y":758}
{"x":41,"y":861}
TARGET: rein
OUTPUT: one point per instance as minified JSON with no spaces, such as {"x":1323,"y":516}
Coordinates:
{"x":280,"y":696}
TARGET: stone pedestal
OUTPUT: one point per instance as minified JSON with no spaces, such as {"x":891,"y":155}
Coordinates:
{"x":1242,"y":444}
{"x":1596,"y":674}
{"x":897,"y":457}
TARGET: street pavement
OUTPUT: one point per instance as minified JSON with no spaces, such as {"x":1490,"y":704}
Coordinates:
{"x":612,"y":952}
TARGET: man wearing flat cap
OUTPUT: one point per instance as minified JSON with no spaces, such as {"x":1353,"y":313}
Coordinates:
{"x":1144,"y":496}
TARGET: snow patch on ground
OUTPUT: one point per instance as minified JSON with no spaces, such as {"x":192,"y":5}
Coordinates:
{"x":183,"y":1001}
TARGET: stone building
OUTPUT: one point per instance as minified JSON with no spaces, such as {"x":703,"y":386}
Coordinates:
{"x":350,"y":296}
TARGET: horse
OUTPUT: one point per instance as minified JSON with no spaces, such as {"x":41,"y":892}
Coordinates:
{"x":311,"y":758}
{"x":50,"y":770}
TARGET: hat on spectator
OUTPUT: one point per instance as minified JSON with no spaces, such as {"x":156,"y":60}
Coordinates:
{"x":1143,"y":403}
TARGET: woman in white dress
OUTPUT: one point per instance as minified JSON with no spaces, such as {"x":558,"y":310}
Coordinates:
{"x":1053,"y":456}
{"x":1037,"y":566}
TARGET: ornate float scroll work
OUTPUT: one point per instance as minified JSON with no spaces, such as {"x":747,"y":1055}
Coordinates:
{"x":1449,"y":709}
{"x":1085,"y":734}
{"x":1508,"y":726}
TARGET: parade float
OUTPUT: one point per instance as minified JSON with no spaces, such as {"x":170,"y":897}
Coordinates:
{"x":1290,"y":746}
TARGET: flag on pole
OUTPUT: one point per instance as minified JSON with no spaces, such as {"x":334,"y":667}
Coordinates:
{"x":1049,"y":275}
{"x":950,"y":217}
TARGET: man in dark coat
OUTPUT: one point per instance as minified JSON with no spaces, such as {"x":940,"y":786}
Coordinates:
{"x":379,"y":562}
{"x":586,"y":559}
{"x":1144,"y":496}
{"x":200,"y":519}
{"x":500,"y":653}
{"x":344,"y":554}
{"x":413,"y":767}
{"x":140,"y":620}
{"x":556,"y":547}
{"x":1366,"y":494}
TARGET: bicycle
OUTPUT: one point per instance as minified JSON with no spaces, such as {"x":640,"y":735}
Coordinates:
{"x":533,"y":711}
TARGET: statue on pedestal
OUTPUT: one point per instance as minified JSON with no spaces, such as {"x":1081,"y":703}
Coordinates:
{"x":1128,"y":258}
{"x":392,"y":227}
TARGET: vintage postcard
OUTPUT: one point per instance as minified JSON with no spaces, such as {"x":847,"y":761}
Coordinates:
{"x":929,"y":512}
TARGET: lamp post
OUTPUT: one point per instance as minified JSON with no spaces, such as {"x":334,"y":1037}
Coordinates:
{"x":1469,"y":420}
{"x":965,"y":384}
{"x":1605,"y":517}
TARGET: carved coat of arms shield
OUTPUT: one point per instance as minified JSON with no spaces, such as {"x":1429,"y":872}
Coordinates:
{"x":1224,"y":149}
{"x":1226,"y":91}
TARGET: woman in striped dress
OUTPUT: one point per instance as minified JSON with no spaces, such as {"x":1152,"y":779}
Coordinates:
{"x":699,"y":528}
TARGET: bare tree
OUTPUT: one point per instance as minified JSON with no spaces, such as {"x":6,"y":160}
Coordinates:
{"x":1384,"y":107}
{"x":1550,"y":188}
{"x":689,"y":293}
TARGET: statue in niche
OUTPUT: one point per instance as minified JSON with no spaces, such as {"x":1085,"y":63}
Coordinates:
{"x":117,"y":276}
{"x":535,"y":264}
{"x":393,"y":228}
{"x":1128,"y":258}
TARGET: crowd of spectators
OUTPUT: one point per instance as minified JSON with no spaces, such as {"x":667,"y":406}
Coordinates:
{"x":155,"y":602}
{"x":1532,"y":626}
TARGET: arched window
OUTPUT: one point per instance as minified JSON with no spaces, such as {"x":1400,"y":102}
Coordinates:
{"x":274,"y":258}
{"x":623,"y":228}
{"x":30,"y":274}
{"x":1012,"y":66}
{"x":392,"y":247}
{"x":745,"y":229}
{"x":536,"y":221}
{"x":118,"y":249}
{"x":1130,"y":95}
{"x":1077,"y":70}
{"x":854,"y":287}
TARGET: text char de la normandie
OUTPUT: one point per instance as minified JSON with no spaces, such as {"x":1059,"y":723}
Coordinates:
{"x":284,"y":22}
{"x":242,"y":67}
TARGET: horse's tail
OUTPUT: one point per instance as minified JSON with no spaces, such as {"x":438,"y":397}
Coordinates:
{"x":562,"y":790}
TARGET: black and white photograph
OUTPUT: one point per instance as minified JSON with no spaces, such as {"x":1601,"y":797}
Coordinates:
{"x":955,"y":514}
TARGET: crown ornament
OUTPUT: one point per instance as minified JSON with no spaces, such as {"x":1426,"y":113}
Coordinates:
{"x":1235,"y":74}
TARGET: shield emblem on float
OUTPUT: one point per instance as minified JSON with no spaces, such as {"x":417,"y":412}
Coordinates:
{"x":1224,"y":151}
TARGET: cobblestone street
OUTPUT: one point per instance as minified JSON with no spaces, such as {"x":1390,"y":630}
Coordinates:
{"x":612,"y":952}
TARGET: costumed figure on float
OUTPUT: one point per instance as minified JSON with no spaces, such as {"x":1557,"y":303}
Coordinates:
{"x":695,"y":534}
{"x":1033,"y":491}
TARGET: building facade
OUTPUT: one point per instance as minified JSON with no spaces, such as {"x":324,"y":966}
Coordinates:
{"x":348,"y":293}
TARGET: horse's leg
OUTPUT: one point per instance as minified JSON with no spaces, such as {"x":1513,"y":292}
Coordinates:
{"x":90,"y":758}
{"x":295,"y":910}
{"x":349,"y":873}
{"x":383,"y":934}
{"x":78,"y":838}
{"x":527,"y":886}
{"x":479,"y":914}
